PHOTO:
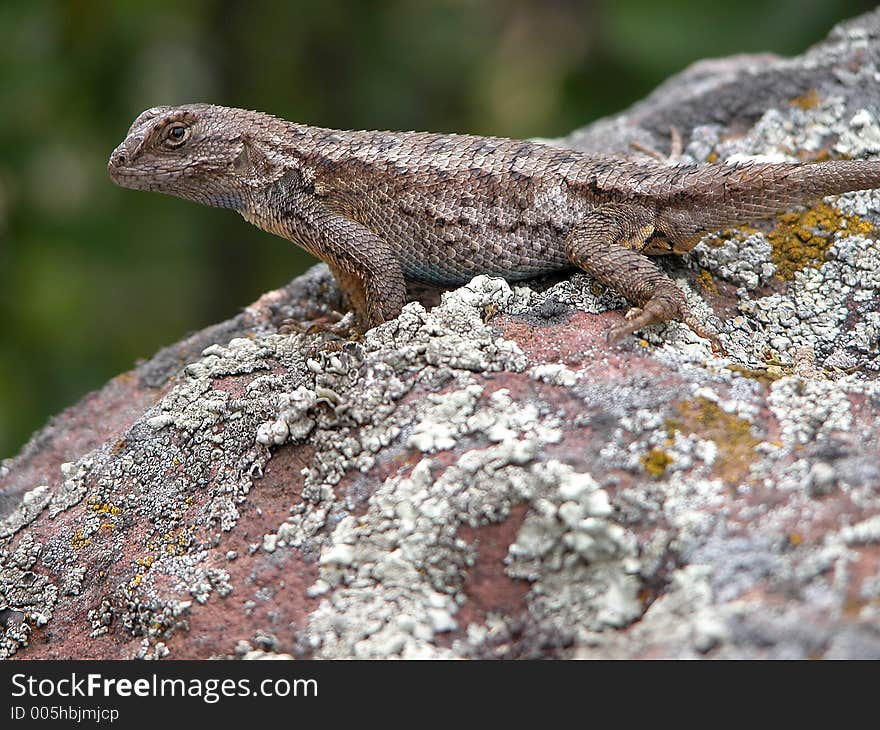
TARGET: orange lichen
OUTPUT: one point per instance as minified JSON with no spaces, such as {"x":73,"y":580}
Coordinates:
{"x":810,"y":100}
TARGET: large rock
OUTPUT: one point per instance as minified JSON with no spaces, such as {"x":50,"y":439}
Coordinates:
{"x":488,"y":478}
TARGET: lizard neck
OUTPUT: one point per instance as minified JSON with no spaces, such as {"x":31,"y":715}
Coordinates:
{"x":261,"y":218}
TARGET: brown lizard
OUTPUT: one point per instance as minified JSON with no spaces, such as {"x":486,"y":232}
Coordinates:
{"x":386,"y":208}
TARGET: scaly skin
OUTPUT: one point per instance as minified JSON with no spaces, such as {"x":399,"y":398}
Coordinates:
{"x":385,"y":208}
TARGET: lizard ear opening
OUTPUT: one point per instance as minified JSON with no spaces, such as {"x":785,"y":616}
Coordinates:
{"x":241,"y":164}
{"x":252,"y":160}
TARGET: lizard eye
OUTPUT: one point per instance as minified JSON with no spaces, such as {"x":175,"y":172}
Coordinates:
{"x":176,"y":135}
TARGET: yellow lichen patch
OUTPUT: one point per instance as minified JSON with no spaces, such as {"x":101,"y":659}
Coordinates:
{"x":802,"y":238}
{"x":655,"y":462}
{"x":712,"y":157}
{"x":732,"y":436}
{"x":764,"y":375}
{"x":79,"y":541}
{"x":178,"y":542}
{"x":810,"y":100}
{"x":104,"y":508}
{"x":795,"y":539}
{"x":707,"y":282}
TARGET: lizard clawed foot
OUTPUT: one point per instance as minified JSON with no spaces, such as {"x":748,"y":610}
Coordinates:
{"x":634,"y":322}
{"x":344,"y":327}
{"x":658,"y":311}
{"x":340,"y":333}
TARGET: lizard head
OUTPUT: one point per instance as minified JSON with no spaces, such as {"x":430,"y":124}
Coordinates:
{"x":199,"y":152}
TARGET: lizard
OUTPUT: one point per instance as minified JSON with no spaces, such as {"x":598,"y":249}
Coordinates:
{"x":383,"y":209}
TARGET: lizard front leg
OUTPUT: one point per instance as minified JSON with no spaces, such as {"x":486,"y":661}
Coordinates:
{"x":607,"y":245}
{"x":366,"y":268}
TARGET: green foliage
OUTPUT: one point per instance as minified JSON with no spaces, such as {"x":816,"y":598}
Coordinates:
{"x":93,"y":277}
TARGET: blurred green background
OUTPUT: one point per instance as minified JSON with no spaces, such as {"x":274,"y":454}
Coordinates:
{"x":93,"y":277}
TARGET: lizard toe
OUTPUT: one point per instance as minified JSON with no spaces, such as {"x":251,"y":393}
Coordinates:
{"x":704,"y":330}
{"x":618,"y":333}
{"x":633,"y":313}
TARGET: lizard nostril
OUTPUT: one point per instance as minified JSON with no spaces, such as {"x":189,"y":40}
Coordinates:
{"x":118,"y":159}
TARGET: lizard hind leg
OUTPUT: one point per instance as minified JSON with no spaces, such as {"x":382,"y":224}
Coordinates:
{"x":607,"y":245}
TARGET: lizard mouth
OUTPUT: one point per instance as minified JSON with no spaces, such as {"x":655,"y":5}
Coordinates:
{"x":116,"y":167}
{"x":130,"y":177}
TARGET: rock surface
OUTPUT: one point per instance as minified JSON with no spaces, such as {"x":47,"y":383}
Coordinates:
{"x":488,"y":478}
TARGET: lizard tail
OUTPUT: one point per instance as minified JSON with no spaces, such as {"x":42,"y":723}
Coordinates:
{"x":758,"y":190}
{"x":709,"y":198}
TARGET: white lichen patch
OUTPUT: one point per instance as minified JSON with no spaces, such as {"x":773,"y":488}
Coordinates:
{"x":395,"y":576}
{"x":575,"y":291}
{"x":809,"y":411}
{"x":815,"y":308}
{"x":27,"y":598}
{"x":196,"y":436}
{"x":582,"y":564}
{"x":867,"y":531}
{"x":554,"y":374}
{"x":32,"y":503}
{"x":813,"y":311}
{"x":747,"y":263}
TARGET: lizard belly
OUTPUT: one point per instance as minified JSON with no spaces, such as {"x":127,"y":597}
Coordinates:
{"x":446,"y":258}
